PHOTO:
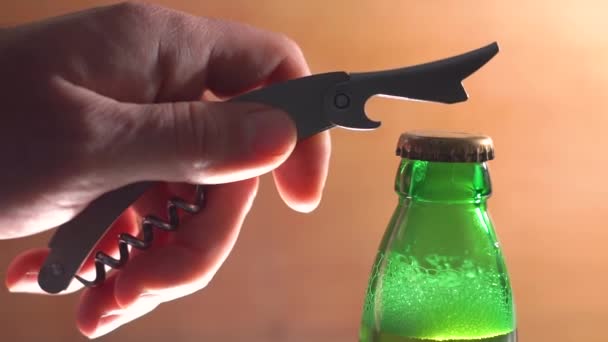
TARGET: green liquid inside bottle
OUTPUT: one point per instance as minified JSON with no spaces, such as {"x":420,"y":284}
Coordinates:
{"x":439,"y":274}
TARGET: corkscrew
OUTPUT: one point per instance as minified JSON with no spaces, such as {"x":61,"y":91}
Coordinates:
{"x":315,"y":103}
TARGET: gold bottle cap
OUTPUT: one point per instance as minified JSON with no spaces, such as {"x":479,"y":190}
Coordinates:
{"x":440,"y":146}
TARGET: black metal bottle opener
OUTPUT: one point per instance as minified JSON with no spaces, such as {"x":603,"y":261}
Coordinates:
{"x":316,"y":103}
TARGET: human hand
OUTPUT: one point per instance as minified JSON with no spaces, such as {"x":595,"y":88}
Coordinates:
{"x":102,"y":98}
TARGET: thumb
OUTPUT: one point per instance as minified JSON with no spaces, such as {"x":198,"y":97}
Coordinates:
{"x":196,"y":142}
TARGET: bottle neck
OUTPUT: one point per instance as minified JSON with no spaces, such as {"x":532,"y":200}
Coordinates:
{"x":443,"y":182}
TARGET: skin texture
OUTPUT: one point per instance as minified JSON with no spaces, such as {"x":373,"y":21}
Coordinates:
{"x":102,"y":98}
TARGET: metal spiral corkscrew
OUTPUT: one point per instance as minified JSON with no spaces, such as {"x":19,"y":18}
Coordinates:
{"x":147,"y":228}
{"x":315,"y":103}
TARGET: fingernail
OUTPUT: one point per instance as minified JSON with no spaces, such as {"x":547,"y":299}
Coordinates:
{"x":269,"y":131}
{"x":28,"y":283}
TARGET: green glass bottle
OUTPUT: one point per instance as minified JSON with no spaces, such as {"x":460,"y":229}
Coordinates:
{"x":440,"y":274}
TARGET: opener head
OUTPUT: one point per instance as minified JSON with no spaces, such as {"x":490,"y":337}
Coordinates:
{"x":439,"y":81}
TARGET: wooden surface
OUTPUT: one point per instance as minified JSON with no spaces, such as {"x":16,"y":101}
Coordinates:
{"x":295,"y":277}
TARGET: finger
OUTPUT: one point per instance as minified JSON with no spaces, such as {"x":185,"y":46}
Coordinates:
{"x":184,"y":265}
{"x":245,"y":57}
{"x":301,"y":179}
{"x":22,"y":272}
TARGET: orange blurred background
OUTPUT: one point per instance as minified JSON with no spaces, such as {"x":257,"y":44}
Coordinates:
{"x":296,"y":277}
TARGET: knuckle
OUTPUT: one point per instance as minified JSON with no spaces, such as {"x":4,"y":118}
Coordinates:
{"x":133,"y":7}
{"x":291,"y":47}
{"x":292,"y":54}
{"x":135,"y":11}
{"x":289,"y":42}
